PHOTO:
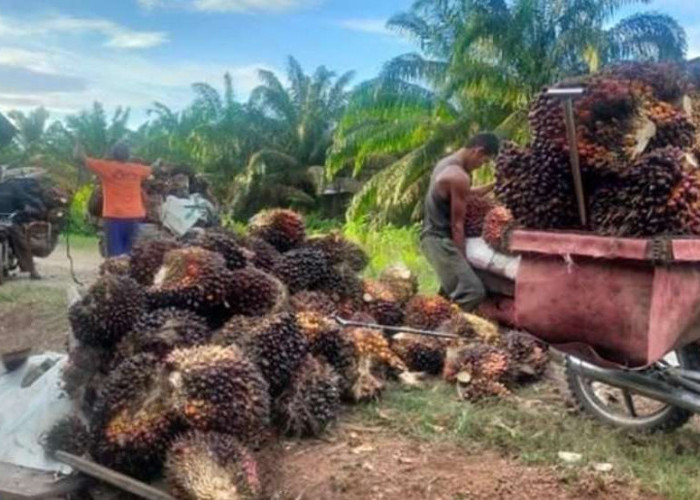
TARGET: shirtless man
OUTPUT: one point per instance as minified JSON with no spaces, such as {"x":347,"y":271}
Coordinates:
{"x":442,"y":238}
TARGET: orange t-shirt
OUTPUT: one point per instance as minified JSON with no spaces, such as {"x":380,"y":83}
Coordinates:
{"x":121,"y":187}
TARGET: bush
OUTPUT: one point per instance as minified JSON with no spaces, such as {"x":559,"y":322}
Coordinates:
{"x":78,"y":219}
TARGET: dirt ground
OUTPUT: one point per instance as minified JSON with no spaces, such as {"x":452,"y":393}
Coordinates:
{"x":371,"y":464}
{"x":351,"y":462}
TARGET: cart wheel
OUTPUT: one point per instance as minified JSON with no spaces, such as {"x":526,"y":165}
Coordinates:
{"x":624,"y":408}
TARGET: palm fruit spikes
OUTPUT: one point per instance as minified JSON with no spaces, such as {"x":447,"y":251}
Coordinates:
{"x":159,"y":332}
{"x":479,"y":370}
{"x":212,"y":466}
{"x":225,"y":243}
{"x":108,"y":311}
{"x":194,"y":279}
{"x":310,"y":402}
{"x":381,"y":304}
{"x":331,"y":344}
{"x":529,"y":357}
{"x":283,"y":229}
{"x":477,"y":207}
{"x":428,"y":312}
{"x":120,"y":266}
{"x":312,"y":301}
{"x":133,"y":419}
{"x":471,"y":327}
{"x":498,"y":222}
{"x":68,"y":434}
{"x":265,"y":257}
{"x":274,"y":342}
{"x":219,"y":389}
{"x":340,"y":251}
{"x":420,"y":354}
{"x":147,"y":258}
{"x":303,"y":269}
{"x":255,"y":293}
{"x":401,"y":282}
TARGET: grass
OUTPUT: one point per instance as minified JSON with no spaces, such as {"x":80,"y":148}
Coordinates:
{"x":534,"y":430}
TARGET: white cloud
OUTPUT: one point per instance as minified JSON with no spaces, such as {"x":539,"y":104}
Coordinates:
{"x":115,"y":35}
{"x":693,"y":33}
{"x":375,"y":26}
{"x":228,"y":5}
{"x":46,"y":67}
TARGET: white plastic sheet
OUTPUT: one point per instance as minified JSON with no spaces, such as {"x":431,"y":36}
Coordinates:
{"x":180,"y":215}
{"x":485,"y":258}
{"x":27,"y":413}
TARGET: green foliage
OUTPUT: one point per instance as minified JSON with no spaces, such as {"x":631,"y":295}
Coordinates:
{"x":78,"y":222}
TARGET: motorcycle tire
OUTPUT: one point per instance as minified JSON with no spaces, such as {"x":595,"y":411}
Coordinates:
{"x":666,"y":419}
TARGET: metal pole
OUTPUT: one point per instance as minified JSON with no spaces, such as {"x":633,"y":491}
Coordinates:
{"x":397,"y":329}
{"x":575,"y":161}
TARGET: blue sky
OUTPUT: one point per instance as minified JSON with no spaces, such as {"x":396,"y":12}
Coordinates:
{"x":64,"y":54}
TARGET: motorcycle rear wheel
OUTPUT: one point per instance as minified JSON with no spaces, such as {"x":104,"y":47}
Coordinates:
{"x":623,"y":408}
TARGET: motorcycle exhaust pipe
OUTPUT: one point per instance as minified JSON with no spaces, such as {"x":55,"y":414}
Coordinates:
{"x":639,"y":383}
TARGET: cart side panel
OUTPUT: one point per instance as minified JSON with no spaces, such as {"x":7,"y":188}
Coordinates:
{"x":675,"y":309}
{"x":587,"y":301}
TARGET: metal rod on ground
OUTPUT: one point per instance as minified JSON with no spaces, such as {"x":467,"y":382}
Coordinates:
{"x":114,"y":478}
{"x":398,"y":329}
{"x":568,"y":96}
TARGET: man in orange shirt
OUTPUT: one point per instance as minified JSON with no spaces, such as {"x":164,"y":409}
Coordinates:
{"x":123,"y":206}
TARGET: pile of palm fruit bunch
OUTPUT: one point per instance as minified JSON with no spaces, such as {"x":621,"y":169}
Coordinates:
{"x":191,"y":355}
{"x":636,"y":136}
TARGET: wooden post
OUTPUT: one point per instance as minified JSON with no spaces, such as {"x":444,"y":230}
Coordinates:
{"x":114,"y":478}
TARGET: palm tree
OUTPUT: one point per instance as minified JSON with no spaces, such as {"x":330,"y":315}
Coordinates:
{"x":299,"y":120}
{"x":480,"y":64}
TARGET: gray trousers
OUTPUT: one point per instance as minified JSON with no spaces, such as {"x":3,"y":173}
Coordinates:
{"x":457,"y":278}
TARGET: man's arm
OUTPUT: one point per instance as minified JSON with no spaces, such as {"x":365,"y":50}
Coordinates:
{"x":484,"y":190}
{"x":459,"y":189}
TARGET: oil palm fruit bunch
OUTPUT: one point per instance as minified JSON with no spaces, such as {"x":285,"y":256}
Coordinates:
{"x":537,"y":187}
{"x":340,"y":251}
{"x":529,"y":358}
{"x":381,"y":304}
{"x":370,"y":343}
{"x":254,"y":293}
{"x":265,"y":256}
{"x":274,"y":342}
{"x":220,"y":389}
{"x":685,"y":203}
{"x":120,"y":266}
{"x":666,"y":81}
{"x":312,"y":301}
{"x":471,"y":327}
{"x":420,"y":354}
{"x":147,"y":258}
{"x":303,"y":269}
{"x":479,"y":370}
{"x":328,"y":342}
{"x":343,"y":287}
{"x":68,"y":434}
{"x":401,"y":282}
{"x":477,"y":208}
{"x":223,"y":242}
{"x":498,"y":222}
{"x":194,"y":279}
{"x":673,"y":127}
{"x":133,"y":421}
{"x":159,"y":332}
{"x":211,"y":466}
{"x":428,"y":312}
{"x":107,"y":311}
{"x":637,"y":203}
{"x":310,"y":402}
{"x":283,"y":229}
{"x":547,"y":121}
